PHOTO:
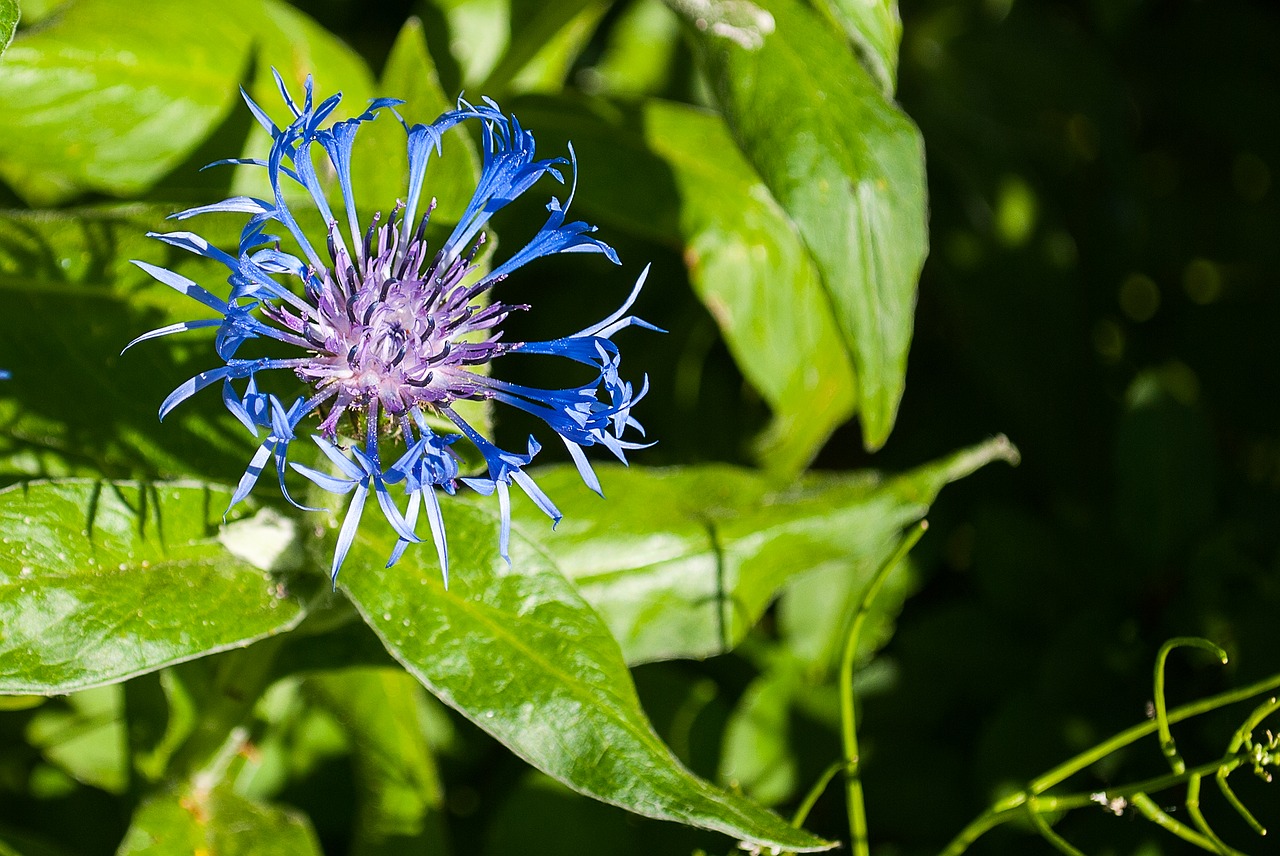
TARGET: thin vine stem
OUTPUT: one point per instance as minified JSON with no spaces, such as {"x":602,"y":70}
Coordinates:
{"x":859,"y":844}
{"x":1134,"y":733}
{"x":1006,"y":809}
{"x":1167,"y":745}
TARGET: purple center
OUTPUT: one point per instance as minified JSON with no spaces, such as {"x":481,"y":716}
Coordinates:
{"x":394,"y":329}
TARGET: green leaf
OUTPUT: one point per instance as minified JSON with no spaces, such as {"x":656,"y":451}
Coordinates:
{"x":757,"y":754}
{"x":548,"y":38}
{"x":843,"y":161}
{"x":401,"y":798}
{"x":85,"y":737}
{"x":116,"y":579}
{"x":293,"y":44}
{"x":479,"y":31}
{"x":69,"y":302}
{"x":380,"y":162}
{"x":673,"y":172}
{"x":640,"y":51}
{"x":516,"y":650}
{"x":10,"y":14}
{"x":216,"y":822}
{"x":875,"y":29}
{"x":681,"y":563}
{"x":83,"y":113}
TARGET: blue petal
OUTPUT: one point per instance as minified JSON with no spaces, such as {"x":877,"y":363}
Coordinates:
{"x":348,"y":532}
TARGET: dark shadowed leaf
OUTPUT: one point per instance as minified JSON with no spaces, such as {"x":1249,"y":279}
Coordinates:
{"x":401,"y":798}
{"x":114,"y":115}
{"x":69,"y":302}
{"x":102,"y":581}
{"x":682,"y":562}
{"x":514,"y":648}
{"x":216,"y":821}
{"x":843,"y":161}
{"x":673,"y":173}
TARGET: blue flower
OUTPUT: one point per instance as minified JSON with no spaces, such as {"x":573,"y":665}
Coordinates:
{"x":389,"y":330}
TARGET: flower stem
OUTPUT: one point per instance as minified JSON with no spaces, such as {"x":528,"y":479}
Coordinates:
{"x":859,"y":844}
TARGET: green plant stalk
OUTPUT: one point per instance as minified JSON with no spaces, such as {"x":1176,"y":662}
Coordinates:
{"x":1046,"y":831}
{"x":1152,"y":812}
{"x":1004,"y":810}
{"x":1198,"y":819}
{"x":811,"y":798}
{"x":1134,"y":733}
{"x":855,"y":807}
{"x":1167,"y":745}
{"x":1260,"y":713}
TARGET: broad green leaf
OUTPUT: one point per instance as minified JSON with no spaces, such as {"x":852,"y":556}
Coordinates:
{"x":843,"y":161}
{"x":548,"y":37}
{"x":69,"y":302}
{"x":114,"y":115}
{"x":673,"y":172}
{"x":815,"y":610}
{"x":10,"y":13}
{"x":638,"y":56}
{"x":401,"y":798}
{"x":101,"y":581}
{"x":219,"y":822}
{"x":515,"y":649}
{"x":380,"y":162}
{"x":479,"y":31}
{"x":875,"y":29}
{"x":757,"y":756}
{"x":681,"y":563}
{"x":293,"y":44}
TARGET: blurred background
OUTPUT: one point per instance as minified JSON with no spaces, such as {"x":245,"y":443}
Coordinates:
{"x":1101,"y":287}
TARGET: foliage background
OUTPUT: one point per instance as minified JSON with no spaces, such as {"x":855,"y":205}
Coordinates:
{"x":1102,"y":217}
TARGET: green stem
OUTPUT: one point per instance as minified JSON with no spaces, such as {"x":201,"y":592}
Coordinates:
{"x":1046,"y":831}
{"x":798,"y":819}
{"x":1152,"y":812}
{"x":859,"y":844}
{"x":1069,"y":768}
{"x":1167,"y":746}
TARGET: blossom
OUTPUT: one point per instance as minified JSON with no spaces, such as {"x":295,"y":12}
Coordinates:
{"x":388,"y":330}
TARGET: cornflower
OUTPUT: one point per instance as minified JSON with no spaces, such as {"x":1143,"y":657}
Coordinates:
{"x":391,"y":331}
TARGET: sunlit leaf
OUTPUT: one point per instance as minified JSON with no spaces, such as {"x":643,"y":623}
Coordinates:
{"x":102,"y":581}
{"x":9,"y":15}
{"x":682,"y":562}
{"x":875,"y":29}
{"x":638,"y":55}
{"x":843,"y":161}
{"x":515,"y":649}
{"x":673,"y":172}
{"x":114,"y":115}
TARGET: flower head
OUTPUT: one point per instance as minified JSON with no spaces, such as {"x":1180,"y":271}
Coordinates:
{"x":389,"y":330}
